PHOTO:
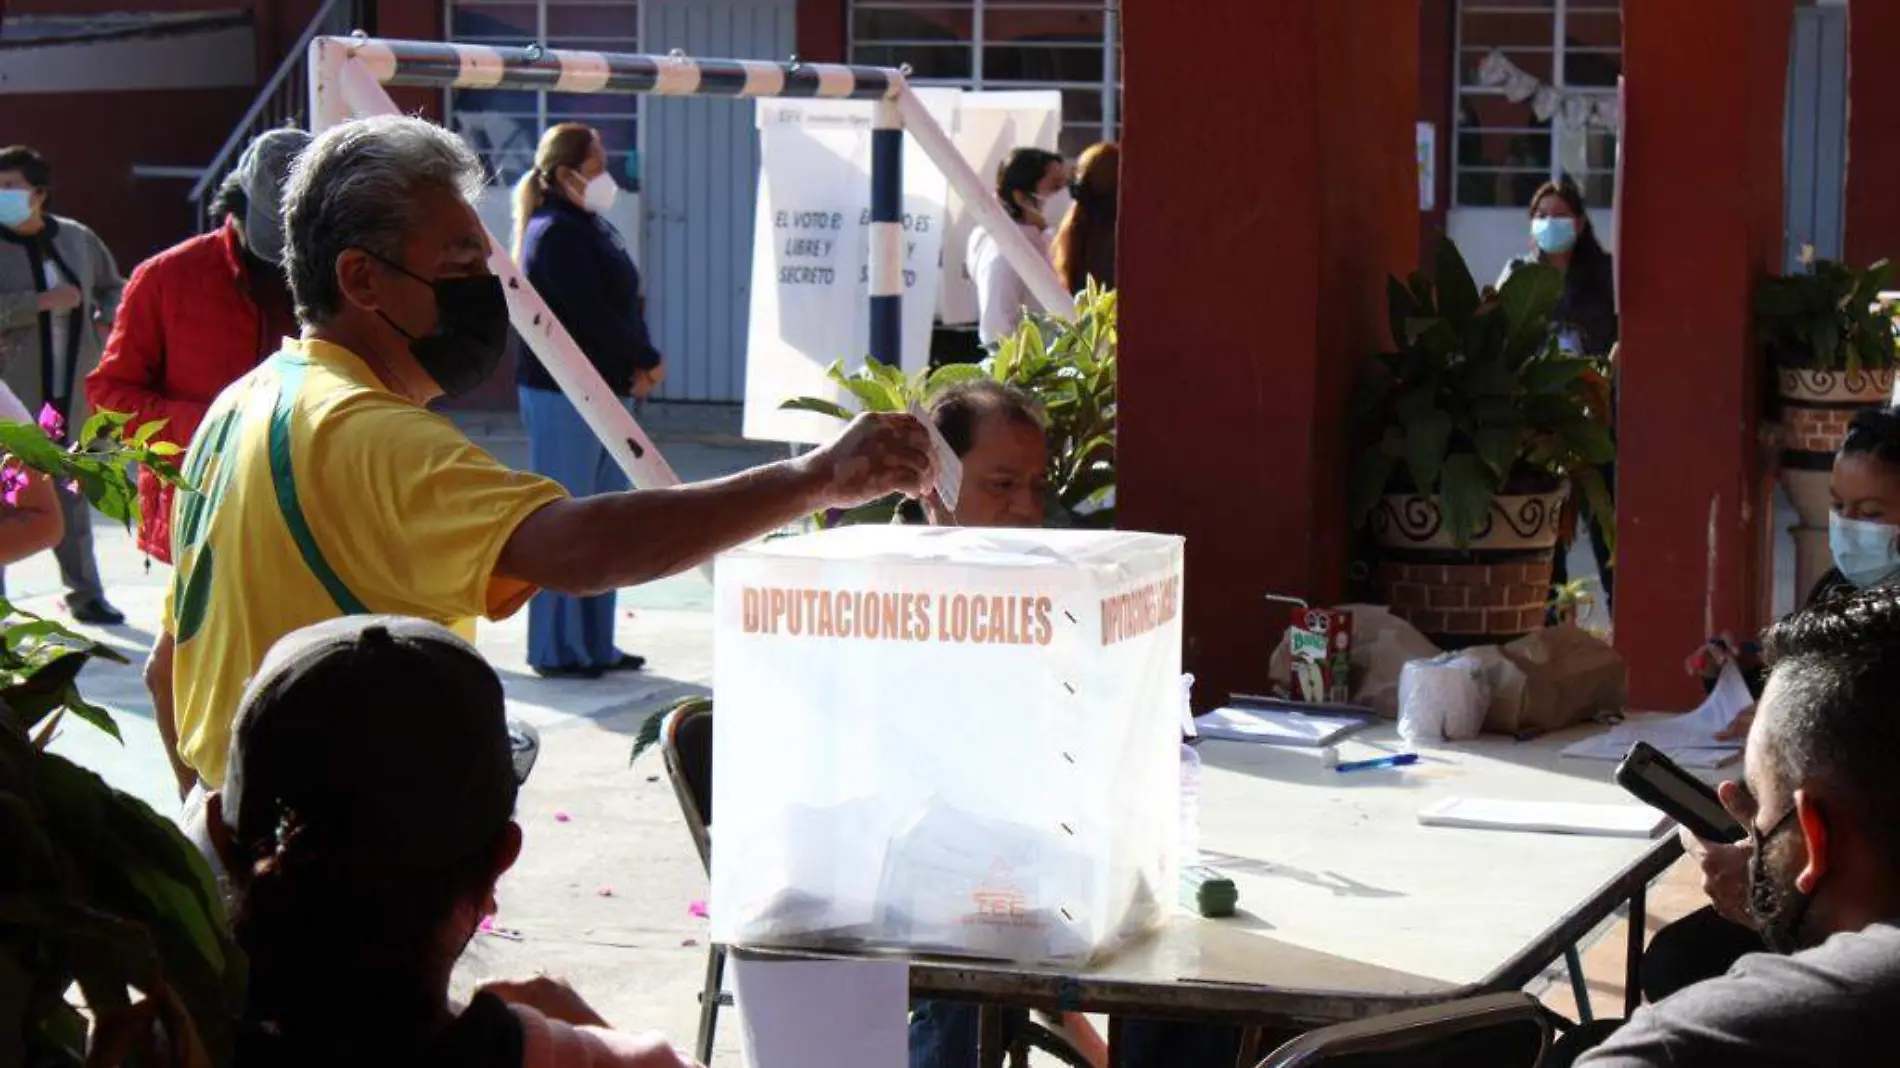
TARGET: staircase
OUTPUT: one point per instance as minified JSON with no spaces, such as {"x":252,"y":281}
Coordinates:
{"x":284,"y":101}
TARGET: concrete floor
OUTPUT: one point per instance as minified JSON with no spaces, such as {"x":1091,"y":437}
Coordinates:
{"x":601,"y":896}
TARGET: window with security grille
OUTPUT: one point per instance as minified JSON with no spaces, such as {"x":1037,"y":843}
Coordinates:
{"x":504,"y":125}
{"x":1536,"y":99}
{"x":1070,"y":45}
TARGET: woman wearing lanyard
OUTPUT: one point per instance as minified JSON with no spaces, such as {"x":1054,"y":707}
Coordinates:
{"x":1583,"y":322}
{"x":579,"y":264}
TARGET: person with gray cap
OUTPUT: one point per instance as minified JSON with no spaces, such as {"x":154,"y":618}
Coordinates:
{"x":200,"y":314}
{"x":359,"y":874}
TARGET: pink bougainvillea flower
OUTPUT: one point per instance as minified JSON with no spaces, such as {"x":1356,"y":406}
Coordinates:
{"x":13,"y":479}
{"x":697,"y":910}
{"x":72,"y":486}
{"x":51,"y":421}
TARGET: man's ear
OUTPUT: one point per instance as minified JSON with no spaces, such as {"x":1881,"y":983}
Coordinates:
{"x":505,"y":856}
{"x":356,"y":278}
{"x":222,"y":840}
{"x":1814,"y":830}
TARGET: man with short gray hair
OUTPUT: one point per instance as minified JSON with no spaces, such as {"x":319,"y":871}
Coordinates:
{"x":322,"y":486}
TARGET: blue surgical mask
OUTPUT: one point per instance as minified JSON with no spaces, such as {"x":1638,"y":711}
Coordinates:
{"x":16,"y":207}
{"x":1554,"y":235}
{"x":1863,"y":550}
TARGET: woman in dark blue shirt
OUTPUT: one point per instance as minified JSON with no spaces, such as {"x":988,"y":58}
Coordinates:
{"x":579,"y":264}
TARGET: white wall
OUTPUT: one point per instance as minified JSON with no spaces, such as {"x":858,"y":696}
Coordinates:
{"x":1489,"y":237}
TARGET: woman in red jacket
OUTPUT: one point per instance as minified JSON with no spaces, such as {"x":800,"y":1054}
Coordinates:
{"x":200,"y":314}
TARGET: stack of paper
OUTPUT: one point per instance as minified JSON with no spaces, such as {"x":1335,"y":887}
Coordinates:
{"x":1688,"y":739}
{"x":1546,"y":817}
{"x":1275,"y":726}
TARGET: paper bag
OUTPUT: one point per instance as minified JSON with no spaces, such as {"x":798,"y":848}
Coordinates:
{"x":1569,"y":676}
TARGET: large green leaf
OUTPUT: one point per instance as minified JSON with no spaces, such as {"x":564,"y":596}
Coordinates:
{"x":1464,"y":495}
{"x":1590,"y":439}
{"x":1427,"y":437}
{"x":1498,"y":447}
{"x":875,"y":394}
{"x":1527,"y":298}
{"x":1457,"y":293}
{"x":1552,"y":374}
{"x":951,"y":374}
{"x":816,"y":404}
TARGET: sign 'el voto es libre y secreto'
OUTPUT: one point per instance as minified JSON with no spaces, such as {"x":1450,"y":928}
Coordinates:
{"x":811,"y":252}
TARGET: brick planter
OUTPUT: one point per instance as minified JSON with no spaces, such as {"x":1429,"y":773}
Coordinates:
{"x":1493,"y":591}
{"x":1816,"y":407}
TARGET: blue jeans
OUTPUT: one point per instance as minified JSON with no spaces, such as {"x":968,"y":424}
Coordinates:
{"x":943,"y":1034}
{"x":569,"y":632}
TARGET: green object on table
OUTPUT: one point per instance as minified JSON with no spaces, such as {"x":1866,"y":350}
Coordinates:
{"x":1208,"y":892}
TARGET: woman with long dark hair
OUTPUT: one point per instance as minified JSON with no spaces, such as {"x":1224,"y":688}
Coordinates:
{"x":1583,"y":322}
{"x":1085,"y":243}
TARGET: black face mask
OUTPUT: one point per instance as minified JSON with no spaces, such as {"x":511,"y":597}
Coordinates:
{"x":471,"y":329}
{"x":1778,"y":910}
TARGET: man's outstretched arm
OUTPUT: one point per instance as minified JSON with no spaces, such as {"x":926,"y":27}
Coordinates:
{"x":589,"y":546}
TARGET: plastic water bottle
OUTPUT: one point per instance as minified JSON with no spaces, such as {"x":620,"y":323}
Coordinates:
{"x":1190,"y":844}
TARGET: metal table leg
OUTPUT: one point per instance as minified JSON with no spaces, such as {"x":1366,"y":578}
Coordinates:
{"x":990,"y":1048}
{"x":1579,"y":989}
{"x":1633,"y":967}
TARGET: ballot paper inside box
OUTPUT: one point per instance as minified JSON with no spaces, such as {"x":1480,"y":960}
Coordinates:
{"x":946,"y":740}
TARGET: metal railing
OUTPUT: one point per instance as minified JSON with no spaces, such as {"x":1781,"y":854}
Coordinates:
{"x":284,"y":101}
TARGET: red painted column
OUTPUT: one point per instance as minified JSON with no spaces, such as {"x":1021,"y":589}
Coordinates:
{"x":1873,"y":131}
{"x":1268,"y":188}
{"x":1690,"y":477}
{"x":820,"y":31}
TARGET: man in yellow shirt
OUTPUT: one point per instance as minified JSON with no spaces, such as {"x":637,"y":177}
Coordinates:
{"x":323,"y":487}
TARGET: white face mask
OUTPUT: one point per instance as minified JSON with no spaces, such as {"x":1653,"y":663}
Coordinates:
{"x":600,"y":193}
{"x":1055,"y":206}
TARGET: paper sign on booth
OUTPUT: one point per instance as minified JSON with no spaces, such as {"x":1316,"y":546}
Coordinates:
{"x":811,"y":257}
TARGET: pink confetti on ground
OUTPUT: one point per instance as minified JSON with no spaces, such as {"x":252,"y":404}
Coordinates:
{"x":562,"y":817}
{"x":605,"y":891}
{"x":697,"y":908}
{"x":690,"y":942}
{"x":488,"y":923}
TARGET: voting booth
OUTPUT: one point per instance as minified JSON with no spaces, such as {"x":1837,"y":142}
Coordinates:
{"x":947,"y":740}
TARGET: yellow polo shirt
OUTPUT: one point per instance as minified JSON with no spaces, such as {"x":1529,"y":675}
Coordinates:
{"x":318,"y":493}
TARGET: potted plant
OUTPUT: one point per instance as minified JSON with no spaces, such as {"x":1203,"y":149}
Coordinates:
{"x":99,"y":895}
{"x":1067,"y":365}
{"x":1830,"y":341}
{"x":1478,"y":431}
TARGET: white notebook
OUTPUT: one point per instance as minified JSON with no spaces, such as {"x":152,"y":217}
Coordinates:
{"x":1275,"y":726}
{"x":1546,"y":817}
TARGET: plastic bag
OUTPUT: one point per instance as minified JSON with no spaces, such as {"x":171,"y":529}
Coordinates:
{"x":1444,"y":698}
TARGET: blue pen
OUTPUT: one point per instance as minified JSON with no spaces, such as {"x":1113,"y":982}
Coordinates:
{"x":1397,"y":760}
